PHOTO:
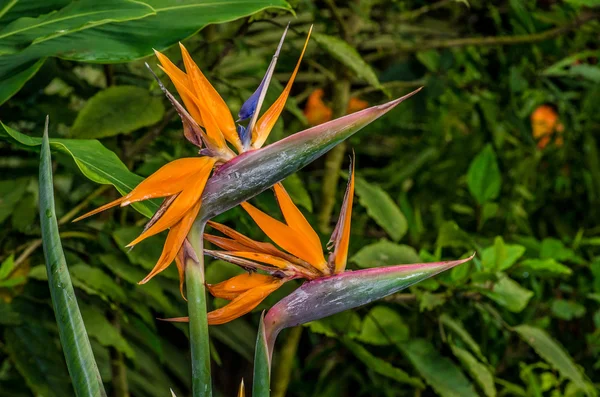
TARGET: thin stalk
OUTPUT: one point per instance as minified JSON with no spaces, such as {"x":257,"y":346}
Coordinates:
{"x":333,"y":159}
{"x":196,"y":295}
{"x":285,"y":362}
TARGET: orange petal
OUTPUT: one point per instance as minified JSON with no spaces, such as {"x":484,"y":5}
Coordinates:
{"x":341,"y":235}
{"x":235,"y":286}
{"x":253,"y":245}
{"x":242,"y":390}
{"x":170,"y":179}
{"x":287,"y":238}
{"x":225,"y":243}
{"x":186,"y":200}
{"x":182,"y":84}
{"x":243,"y":304}
{"x":263,"y":258}
{"x":174,"y":242}
{"x":265,"y":124}
{"x":355,"y":104}
{"x":104,"y":207}
{"x":210,"y":101}
{"x":295,"y":219}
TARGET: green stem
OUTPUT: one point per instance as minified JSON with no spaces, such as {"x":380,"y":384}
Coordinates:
{"x":285,"y":362}
{"x":333,"y":159}
{"x":196,"y":295}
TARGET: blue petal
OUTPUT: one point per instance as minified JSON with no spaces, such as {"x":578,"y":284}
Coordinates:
{"x":244,"y":135}
{"x":249,"y":107}
{"x":255,"y":101}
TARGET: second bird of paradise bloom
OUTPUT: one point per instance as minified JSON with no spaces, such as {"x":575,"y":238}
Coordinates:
{"x":300,"y":257}
{"x":208,"y":124}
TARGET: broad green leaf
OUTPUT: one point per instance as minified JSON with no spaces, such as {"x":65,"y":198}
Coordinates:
{"x":501,"y":256}
{"x":24,"y":213}
{"x":11,"y":84}
{"x":555,"y":355}
{"x":456,"y":327}
{"x":385,"y":253}
{"x":545,"y":267}
{"x":50,"y":29}
{"x":94,"y":160}
{"x":478,"y":371}
{"x":383,"y":326}
{"x":450,"y":235}
{"x":381,"y":366}
{"x":508,"y":293}
{"x":117,"y":110}
{"x":567,"y":310}
{"x":552,"y":248}
{"x":348,"y":56}
{"x":34,"y":352}
{"x":295,"y":187}
{"x":99,"y":328}
{"x":483,"y":177}
{"x":95,"y":281}
{"x":382,"y":209}
{"x":429,"y":301}
{"x":438,"y":371}
{"x":125,"y":31}
{"x":15,"y":9}
{"x":75,"y":343}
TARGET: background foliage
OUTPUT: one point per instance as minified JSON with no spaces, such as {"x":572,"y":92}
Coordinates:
{"x":498,"y":154}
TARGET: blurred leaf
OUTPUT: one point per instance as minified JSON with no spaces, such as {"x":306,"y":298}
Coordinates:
{"x":13,"y":83}
{"x":38,"y":359}
{"x":508,"y":293}
{"x":295,"y":187}
{"x":11,"y":191}
{"x":94,"y":281}
{"x":483,"y":177}
{"x":429,"y":301}
{"x":7,"y":266}
{"x":450,"y":235}
{"x":93,"y":159}
{"x":462,"y":333}
{"x":385,"y":253}
{"x":438,"y":371}
{"x":478,"y":371}
{"x":501,"y":256}
{"x":586,"y":3}
{"x":383,"y":326}
{"x":380,"y":366}
{"x":555,"y":355}
{"x":545,"y":267}
{"x":567,"y":310}
{"x":348,"y":56}
{"x":346,"y":323}
{"x":99,"y":328}
{"x":552,"y":248}
{"x":382,"y":209}
{"x":117,"y":110}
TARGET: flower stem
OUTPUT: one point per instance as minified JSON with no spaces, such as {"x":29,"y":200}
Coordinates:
{"x":196,"y":295}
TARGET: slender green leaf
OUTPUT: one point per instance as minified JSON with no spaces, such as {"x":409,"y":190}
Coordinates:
{"x":382,"y":209}
{"x":545,"y":267}
{"x":478,"y":371}
{"x":555,"y":355}
{"x":117,"y":110}
{"x":382,"y":367}
{"x":262,"y":363}
{"x":99,"y":328}
{"x":501,"y":256}
{"x":438,"y":371}
{"x":463,"y":334}
{"x":76,"y":345}
{"x":347,"y":55}
{"x":383,"y":326}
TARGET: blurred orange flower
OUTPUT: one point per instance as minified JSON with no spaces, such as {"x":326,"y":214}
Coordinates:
{"x":317,"y":112}
{"x":546,"y":125}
